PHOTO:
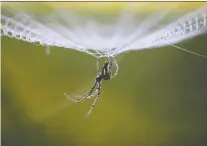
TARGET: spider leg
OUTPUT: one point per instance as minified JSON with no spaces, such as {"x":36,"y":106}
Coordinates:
{"x":117,"y":68}
{"x":89,"y":96}
{"x":84,"y":96}
{"x":93,"y":95}
{"x":93,"y":105}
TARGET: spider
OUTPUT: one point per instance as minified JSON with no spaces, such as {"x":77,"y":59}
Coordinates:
{"x":104,"y":74}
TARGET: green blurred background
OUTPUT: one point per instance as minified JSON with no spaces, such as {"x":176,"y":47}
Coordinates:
{"x":158,"y":98}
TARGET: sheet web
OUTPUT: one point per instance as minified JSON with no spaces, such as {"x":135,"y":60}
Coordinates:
{"x":126,"y":33}
{"x":23,"y":27}
{"x":183,"y":28}
{"x":197,"y":24}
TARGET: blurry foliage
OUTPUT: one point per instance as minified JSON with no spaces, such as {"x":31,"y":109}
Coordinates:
{"x":158,"y":98}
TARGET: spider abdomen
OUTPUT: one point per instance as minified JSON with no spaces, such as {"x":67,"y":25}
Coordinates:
{"x":106,"y":77}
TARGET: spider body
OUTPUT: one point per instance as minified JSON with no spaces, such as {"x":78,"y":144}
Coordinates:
{"x":105,"y":74}
{"x":106,"y":71}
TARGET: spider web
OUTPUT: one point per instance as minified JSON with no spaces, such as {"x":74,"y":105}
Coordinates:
{"x":185,"y":27}
{"x":104,"y":38}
